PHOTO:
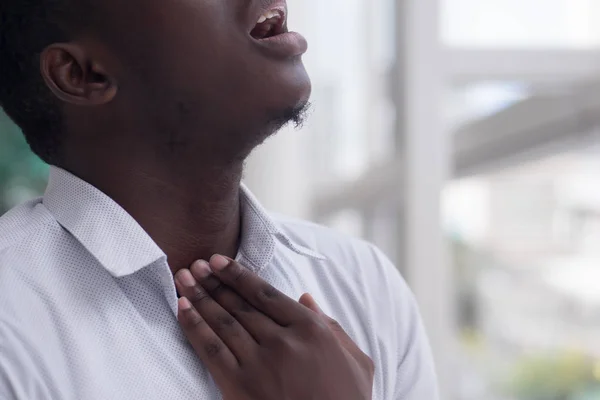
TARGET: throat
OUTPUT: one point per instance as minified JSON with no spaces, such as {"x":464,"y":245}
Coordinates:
{"x":190,"y":215}
{"x":196,"y":228}
{"x":216,"y":230}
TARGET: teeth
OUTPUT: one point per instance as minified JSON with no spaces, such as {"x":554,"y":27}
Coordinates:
{"x":268,"y":15}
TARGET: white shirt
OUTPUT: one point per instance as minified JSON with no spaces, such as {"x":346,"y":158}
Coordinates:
{"x":88,"y":304}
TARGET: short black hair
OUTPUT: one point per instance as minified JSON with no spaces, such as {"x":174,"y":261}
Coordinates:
{"x":26,"y":28}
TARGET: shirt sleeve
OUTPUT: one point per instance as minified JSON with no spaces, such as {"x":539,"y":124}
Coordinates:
{"x":415,"y":377}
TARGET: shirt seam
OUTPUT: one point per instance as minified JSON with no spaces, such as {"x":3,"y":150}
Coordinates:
{"x":10,"y":243}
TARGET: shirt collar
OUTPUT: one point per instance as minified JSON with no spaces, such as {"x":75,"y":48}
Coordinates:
{"x":122,"y":246}
{"x":260,"y":234}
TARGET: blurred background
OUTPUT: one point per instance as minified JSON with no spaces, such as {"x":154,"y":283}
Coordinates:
{"x":462,"y":137}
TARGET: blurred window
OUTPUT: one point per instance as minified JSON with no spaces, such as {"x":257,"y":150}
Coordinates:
{"x":571,"y":24}
{"x":528,"y":299}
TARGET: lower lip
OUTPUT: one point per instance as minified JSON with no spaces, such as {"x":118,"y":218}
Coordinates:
{"x":284,"y":45}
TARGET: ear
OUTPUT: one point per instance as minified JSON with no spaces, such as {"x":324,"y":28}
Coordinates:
{"x":74,"y":77}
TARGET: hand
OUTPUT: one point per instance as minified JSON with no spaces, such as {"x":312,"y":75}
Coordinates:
{"x":259,"y":344}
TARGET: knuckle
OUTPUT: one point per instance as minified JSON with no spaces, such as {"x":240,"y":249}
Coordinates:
{"x":226,"y":320}
{"x":212,"y":348}
{"x":239,"y":273}
{"x":244,"y":307}
{"x":282,"y":343}
{"x":228,"y":325}
{"x":217,"y":289}
{"x":192,"y":320}
{"x":287,"y":346}
{"x":266,"y":294}
{"x":315,"y":329}
{"x":335,"y":325}
{"x":366,"y":358}
{"x":370,"y":364}
{"x":198,"y":295}
{"x":210,"y":282}
{"x":270,"y":292}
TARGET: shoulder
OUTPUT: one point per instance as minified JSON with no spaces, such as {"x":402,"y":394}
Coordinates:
{"x":333,"y":245}
{"x":27,"y":232}
{"x":353,"y":255}
{"x":22,"y":222}
{"x":28,"y":235}
{"x":28,"y":245}
{"x":354,"y":268}
{"x":371,"y":287}
{"x":357,"y":265}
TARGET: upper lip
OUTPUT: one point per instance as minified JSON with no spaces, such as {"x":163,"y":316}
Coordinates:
{"x":268,"y":5}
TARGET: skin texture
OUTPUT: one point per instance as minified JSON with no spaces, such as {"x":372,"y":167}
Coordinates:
{"x":260,"y":344}
{"x":162,"y":104}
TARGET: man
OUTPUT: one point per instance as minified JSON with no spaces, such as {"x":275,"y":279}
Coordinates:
{"x":147,"y":110}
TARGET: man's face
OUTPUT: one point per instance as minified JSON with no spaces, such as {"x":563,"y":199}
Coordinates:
{"x":207,"y":66}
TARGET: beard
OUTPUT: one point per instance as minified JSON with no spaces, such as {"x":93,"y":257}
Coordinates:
{"x":293,"y":115}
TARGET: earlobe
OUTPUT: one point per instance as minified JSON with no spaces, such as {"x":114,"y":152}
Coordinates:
{"x":74,"y":77}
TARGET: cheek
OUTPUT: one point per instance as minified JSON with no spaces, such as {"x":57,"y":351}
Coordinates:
{"x":196,"y":50}
{"x":180,"y":37}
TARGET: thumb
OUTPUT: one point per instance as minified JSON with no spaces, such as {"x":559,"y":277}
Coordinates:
{"x":309,"y":302}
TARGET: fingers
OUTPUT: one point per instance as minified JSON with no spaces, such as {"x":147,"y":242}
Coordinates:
{"x":206,"y":343}
{"x":256,"y":323}
{"x":309,"y":302}
{"x":257,"y":292}
{"x":343,"y":338}
{"x":239,"y":342}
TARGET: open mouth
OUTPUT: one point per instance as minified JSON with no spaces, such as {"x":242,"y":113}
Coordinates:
{"x":270,"y":23}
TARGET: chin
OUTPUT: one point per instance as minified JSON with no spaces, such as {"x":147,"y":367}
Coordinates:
{"x":258,"y":105}
{"x":304,"y":86}
{"x":290,"y":105}
{"x":293,"y":85}
{"x":304,"y":94}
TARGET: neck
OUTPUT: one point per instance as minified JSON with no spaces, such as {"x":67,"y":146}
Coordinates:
{"x":189,"y":215}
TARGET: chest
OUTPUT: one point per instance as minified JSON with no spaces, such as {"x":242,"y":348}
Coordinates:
{"x":131,"y":346}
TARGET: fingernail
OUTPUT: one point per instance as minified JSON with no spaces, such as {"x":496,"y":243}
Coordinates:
{"x":218,"y":262}
{"x":185,"y":278}
{"x":200,"y":269}
{"x":184,"y":303}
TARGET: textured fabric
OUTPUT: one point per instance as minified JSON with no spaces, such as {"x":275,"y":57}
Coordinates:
{"x":88,"y":303}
